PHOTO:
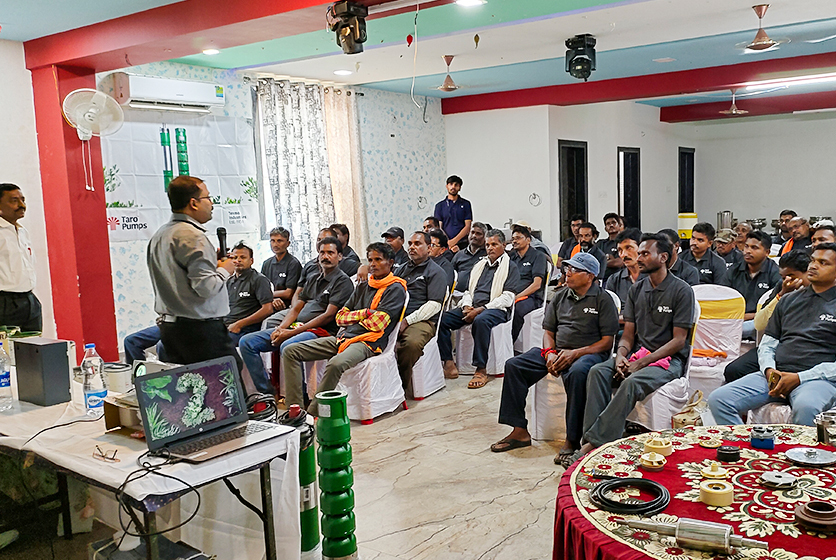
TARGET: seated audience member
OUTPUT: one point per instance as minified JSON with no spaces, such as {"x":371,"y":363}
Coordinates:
{"x":351,"y":260}
{"x":755,"y":276}
{"x":569,"y":247}
{"x":676,"y":265}
{"x":710,"y":266}
{"x":800,"y":229}
{"x":138,"y":342}
{"x":741,"y":230}
{"x":533,"y":267}
{"x":464,"y":260}
{"x":282,"y":269}
{"x":793,"y":270}
{"x":727,"y":248}
{"x":309,"y":269}
{"x":491,"y":289}
{"x":366,"y":322}
{"x":628,"y":251}
{"x":394,"y":237}
{"x":652,"y":351}
{"x":784,"y":225}
{"x":250,"y":296}
{"x":823,"y":234}
{"x":578,"y":329}
{"x":613,"y":225}
{"x":536,"y":238}
{"x":313,"y":315}
{"x":431,"y":223}
{"x":441,"y":254}
{"x":586,"y":244}
{"x":426,"y":283}
{"x":797,"y":354}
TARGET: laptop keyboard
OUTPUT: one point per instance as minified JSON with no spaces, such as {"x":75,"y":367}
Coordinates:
{"x":192,"y":447}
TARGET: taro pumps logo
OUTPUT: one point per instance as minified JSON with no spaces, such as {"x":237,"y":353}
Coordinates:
{"x":126,"y":223}
{"x":113,"y":223}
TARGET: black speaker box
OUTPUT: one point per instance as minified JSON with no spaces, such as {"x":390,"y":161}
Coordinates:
{"x":43,"y":370}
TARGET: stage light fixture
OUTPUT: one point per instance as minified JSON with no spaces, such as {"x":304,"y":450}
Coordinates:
{"x":580,"y":58}
{"x":347,"y":20}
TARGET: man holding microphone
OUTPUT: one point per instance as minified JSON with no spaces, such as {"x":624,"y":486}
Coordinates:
{"x":189,"y":281}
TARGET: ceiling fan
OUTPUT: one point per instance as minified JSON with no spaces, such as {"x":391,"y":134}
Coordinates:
{"x":733,"y":111}
{"x":762,"y":41}
{"x":448,"y":85}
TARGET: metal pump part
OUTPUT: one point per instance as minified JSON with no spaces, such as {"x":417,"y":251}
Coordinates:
{"x":696,"y":534}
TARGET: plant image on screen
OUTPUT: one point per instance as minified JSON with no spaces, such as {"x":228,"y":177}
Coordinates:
{"x":156,"y":387}
{"x":195,"y":413}
{"x":229,"y":391}
{"x":160,"y":427}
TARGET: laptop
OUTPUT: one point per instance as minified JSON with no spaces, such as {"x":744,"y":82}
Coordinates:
{"x":198,"y":412}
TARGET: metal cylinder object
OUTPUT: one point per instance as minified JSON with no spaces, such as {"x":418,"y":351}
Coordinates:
{"x":728,"y":453}
{"x":724,"y":219}
{"x":333,"y":433}
{"x":825,"y":426}
{"x":697,"y":534}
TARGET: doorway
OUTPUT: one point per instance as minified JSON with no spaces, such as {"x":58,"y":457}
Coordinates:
{"x":629,"y":186}
{"x":572,"y":164}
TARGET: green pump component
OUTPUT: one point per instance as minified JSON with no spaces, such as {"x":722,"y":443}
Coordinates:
{"x":308,"y":509}
{"x":182,"y":151}
{"x":168,"y":169}
{"x":333,"y":433}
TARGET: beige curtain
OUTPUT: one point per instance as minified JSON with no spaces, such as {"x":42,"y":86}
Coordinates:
{"x":342,"y":136}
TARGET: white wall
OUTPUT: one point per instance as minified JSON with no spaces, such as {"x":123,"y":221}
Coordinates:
{"x":756,"y":168}
{"x":19,"y":162}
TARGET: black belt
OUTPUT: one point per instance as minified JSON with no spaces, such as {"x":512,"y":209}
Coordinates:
{"x":174,"y":319}
{"x":16,"y":294}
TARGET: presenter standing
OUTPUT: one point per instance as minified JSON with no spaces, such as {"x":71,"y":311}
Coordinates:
{"x":18,"y":305}
{"x":189,"y":281}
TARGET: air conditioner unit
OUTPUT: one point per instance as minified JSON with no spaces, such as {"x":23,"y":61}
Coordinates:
{"x":166,"y":94}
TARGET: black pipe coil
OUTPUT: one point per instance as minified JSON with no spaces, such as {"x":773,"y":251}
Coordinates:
{"x":660,"y":501}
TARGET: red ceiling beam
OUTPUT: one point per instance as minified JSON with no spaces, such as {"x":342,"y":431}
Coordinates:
{"x":757,"y":106}
{"x":642,"y":87}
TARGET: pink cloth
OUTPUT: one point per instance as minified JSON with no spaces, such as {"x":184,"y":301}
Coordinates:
{"x":664,"y":363}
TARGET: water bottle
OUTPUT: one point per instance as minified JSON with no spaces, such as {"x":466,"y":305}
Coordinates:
{"x":95,"y":387}
{"x":5,"y":376}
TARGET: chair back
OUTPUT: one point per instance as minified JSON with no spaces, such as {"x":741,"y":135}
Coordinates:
{"x":720,"y":320}
{"x":615,"y":299}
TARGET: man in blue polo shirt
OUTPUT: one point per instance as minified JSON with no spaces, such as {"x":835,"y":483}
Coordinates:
{"x":455,"y":214}
{"x":797,"y":354}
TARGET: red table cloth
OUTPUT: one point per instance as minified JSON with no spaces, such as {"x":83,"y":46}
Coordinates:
{"x":582,"y":531}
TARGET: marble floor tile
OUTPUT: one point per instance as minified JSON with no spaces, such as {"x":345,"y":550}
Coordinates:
{"x":428,"y":486}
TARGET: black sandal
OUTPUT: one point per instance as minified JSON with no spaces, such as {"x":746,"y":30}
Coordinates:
{"x":508,"y":444}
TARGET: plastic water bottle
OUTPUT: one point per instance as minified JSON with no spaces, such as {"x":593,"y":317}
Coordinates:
{"x":95,"y":387}
{"x":5,"y":376}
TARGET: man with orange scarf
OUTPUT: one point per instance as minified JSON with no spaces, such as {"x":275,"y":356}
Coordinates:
{"x":366,"y":323}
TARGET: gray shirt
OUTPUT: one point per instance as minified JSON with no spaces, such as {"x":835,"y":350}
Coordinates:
{"x":711,"y":267}
{"x":581,"y":321}
{"x":804,"y":324}
{"x":656,"y":311}
{"x":184,"y":271}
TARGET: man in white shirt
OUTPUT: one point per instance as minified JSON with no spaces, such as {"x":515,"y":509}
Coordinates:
{"x":18,"y":305}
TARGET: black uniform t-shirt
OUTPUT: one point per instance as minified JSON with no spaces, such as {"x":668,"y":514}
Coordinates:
{"x":391,"y":303}
{"x":711,"y":267}
{"x":401,"y":256}
{"x":686,"y":272}
{"x":656,"y":311}
{"x":247,"y":291}
{"x":350,"y":261}
{"x":532,"y":265}
{"x":620,"y":284}
{"x":804,"y":323}
{"x":732,"y":257}
{"x":463,"y":263}
{"x":320,"y":291}
{"x":311,"y":268}
{"x":447,"y":266}
{"x":283,"y":274}
{"x":608,"y":247}
{"x":752,"y":289}
{"x":424,"y":282}
{"x":482,"y":293}
{"x":579,"y":322}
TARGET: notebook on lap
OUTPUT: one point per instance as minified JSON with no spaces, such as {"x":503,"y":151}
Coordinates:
{"x":198,"y":412}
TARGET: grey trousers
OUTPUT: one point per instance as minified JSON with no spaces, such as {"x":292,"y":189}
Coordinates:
{"x":606,"y":414}
{"x":295,"y":356}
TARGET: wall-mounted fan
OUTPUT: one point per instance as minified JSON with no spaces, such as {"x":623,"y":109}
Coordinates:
{"x":91,"y":113}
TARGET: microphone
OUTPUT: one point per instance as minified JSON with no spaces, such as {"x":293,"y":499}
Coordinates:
{"x":221,"y":231}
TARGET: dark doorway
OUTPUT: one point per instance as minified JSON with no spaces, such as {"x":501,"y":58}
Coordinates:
{"x":573,"y":182}
{"x":629,"y":186}
{"x":686,"y":180}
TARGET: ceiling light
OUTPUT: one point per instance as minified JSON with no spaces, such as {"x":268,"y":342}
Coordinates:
{"x":343,"y":72}
{"x":471,"y":3}
{"x":666,"y":59}
{"x":211,"y":52}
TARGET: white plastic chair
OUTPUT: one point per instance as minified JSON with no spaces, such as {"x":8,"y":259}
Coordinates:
{"x":720,"y":328}
{"x":374,"y":385}
{"x":500,"y":351}
{"x":531,"y":335}
{"x":428,"y":373}
{"x":655,"y":411}
{"x":546,"y":398}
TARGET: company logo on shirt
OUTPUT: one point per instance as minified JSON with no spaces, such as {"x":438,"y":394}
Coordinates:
{"x":325,"y":292}
{"x":763,"y":285}
{"x":664,"y":309}
{"x":243,"y":294}
{"x":705,"y":271}
{"x":282,"y":274}
{"x":827,"y":317}
{"x":590,"y":310}
{"x":526,"y":264}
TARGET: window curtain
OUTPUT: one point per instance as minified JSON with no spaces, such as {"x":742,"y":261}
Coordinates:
{"x":346,"y":163}
{"x":294,"y":156}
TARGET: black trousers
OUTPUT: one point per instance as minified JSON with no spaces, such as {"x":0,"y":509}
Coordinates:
{"x":521,"y":309}
{"x":188,"y":341}
{"x":742,"y":366}
{"x":21,"y":309}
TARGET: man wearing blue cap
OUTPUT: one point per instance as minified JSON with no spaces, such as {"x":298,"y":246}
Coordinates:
{"x":578,"y":332}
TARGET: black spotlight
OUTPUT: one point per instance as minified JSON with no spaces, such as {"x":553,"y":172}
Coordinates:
{"x":347,"y":20}
{"x":580,"y":58}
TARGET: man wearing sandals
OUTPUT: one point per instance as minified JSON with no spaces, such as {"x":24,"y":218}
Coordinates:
{"x":491,"y":289}
{"x":578,"y":332}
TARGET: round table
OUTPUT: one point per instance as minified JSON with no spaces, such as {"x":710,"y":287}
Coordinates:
{"x":583,"y":531}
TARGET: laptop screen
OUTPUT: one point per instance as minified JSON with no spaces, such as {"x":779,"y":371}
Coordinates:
{"x":188,"y":400}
